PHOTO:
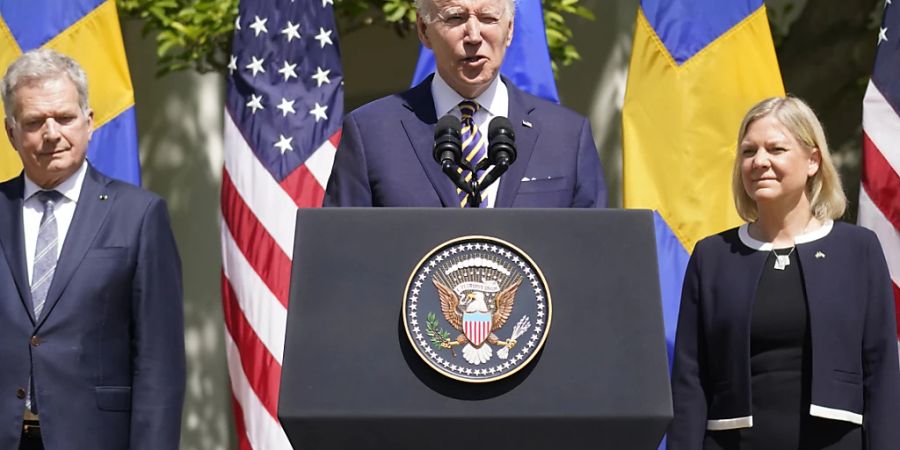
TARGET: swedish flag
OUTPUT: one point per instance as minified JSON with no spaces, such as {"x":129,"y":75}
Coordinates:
{"x":89,"y":32}
{"x":696,"y":68}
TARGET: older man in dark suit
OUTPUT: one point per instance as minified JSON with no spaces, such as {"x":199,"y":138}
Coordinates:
{"x":91,"y":327}
{"x":385,"y":155}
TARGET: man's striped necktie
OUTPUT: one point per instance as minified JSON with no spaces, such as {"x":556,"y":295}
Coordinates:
{"x":45,"y":252}
{"x":474,"y":147}
{"x":45,"y":256}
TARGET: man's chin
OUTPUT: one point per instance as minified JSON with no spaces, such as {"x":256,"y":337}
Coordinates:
{"x":474,"y":84}
{"x":57,"y":167}
{"x":476,"y":74}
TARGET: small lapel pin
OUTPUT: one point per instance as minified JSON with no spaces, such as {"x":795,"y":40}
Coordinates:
{"x":526,"y":123}
{"x":103,"y":197}
{"x":820,"y":255}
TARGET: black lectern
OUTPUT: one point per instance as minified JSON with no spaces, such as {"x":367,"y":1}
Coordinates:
{"x":352,"y":380}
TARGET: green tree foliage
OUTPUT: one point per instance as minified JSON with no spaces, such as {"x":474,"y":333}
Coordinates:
{"x":196,"y":34}
{"x":826,"y":50}
{"x":190,"y":34}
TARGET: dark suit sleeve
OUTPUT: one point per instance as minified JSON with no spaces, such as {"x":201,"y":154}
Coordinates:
{"x":348,"y":184}
{"x":689,"y":368}
{"x":158,"y":359}
{"x":590,"y":188}
{"x":880,"y":366}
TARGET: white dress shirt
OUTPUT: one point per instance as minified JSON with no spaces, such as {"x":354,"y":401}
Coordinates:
{"x":33,"y":210}
{"x":493,"y":102}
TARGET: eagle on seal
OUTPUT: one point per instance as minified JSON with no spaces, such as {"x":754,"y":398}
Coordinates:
{"x":471,"y":309}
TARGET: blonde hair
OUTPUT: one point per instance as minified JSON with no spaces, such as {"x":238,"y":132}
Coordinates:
{"x":823,"y":189}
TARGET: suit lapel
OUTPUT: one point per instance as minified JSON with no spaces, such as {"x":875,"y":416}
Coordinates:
{"x":12,"y":238}
{"x":520,"y":108}
{"x":90,"y":214}
{"x":419,"y":129}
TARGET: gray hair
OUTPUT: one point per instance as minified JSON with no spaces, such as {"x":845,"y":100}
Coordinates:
{"x":425,"y":9}
{"x":40,"y":65}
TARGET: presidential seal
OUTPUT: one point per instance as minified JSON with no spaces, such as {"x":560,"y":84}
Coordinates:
{"x":477,"y":309}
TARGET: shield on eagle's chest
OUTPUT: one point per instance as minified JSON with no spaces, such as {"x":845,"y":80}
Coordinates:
{"x":476,"y":327}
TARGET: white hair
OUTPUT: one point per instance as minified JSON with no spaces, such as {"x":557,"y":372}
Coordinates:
{"x":425,"y":9}
{"x":39,"y":65}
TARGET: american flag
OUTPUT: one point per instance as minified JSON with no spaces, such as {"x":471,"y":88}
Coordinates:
{"x":879,"y":195}
{"x":283,"y":116}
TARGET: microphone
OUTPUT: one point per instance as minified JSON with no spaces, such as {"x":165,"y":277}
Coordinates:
{"x":502,"y":138}
{"x":447,"y":141}
{"x":447,"y":151}
{"x":501,"y":150}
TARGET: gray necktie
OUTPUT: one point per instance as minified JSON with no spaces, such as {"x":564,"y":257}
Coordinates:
{"x":45,"y":252}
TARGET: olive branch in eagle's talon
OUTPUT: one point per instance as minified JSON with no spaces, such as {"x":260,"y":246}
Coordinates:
{"x":440,"y":338}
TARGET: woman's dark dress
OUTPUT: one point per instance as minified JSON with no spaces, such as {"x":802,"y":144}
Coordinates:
{"x":781,"y":368}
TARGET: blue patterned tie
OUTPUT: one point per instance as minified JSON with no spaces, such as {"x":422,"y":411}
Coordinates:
{"x":474,"y":146}
{"x":45,"y":255}
{"x":45,"y":252}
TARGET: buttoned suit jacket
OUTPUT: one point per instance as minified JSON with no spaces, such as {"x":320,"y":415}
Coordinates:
{"x":855,"y":372}
{"x":385,"y":156}
{"x":107,"y":353}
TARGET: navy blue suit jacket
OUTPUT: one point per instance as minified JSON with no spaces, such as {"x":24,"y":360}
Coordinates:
{"x":107,"y":353}
{"x":385,"y":156}
{"x":855,"y":372}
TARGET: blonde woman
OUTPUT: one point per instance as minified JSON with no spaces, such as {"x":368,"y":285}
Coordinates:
{"x":786,"y":336}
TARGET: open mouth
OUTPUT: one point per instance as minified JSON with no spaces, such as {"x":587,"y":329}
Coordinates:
{"x":473,"y":59}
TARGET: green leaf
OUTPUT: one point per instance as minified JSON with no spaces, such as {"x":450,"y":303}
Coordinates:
{"x":164,"y":47}
{"x":159,"y":14}
{"x":555,"y":35}
{"x":196,"y":34}
{"x":178,"y":26}
{"x":553,"y":17}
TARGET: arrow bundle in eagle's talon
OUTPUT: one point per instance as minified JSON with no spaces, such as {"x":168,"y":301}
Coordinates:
{"x":520,"y":329}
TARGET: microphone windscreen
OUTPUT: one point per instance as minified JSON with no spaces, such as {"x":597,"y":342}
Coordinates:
{"x":501,"y":125}
{"x":448,"y":124}
{"x":447,"y":142}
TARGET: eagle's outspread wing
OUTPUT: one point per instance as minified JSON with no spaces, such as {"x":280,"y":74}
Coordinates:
{"x":449,"y":304}
{"x":504,"y":305}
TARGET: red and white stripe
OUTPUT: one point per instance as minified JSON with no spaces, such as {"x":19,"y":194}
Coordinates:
{"x":477,"y":330}
{"x":879,"y":195}
{"x":257,"y":228}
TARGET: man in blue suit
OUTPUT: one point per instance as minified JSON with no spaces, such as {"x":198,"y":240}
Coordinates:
{"x":385,"y":155}
{"x":91,"y":321}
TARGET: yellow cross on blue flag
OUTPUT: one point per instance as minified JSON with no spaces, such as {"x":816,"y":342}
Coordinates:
{"x":697,"y":66}
{"x":89,"y":32}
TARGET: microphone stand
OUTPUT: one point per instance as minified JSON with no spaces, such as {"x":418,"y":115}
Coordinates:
{"x":499,"y":168}
{"x":451,"y":169}
{"x":475,"y":194}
